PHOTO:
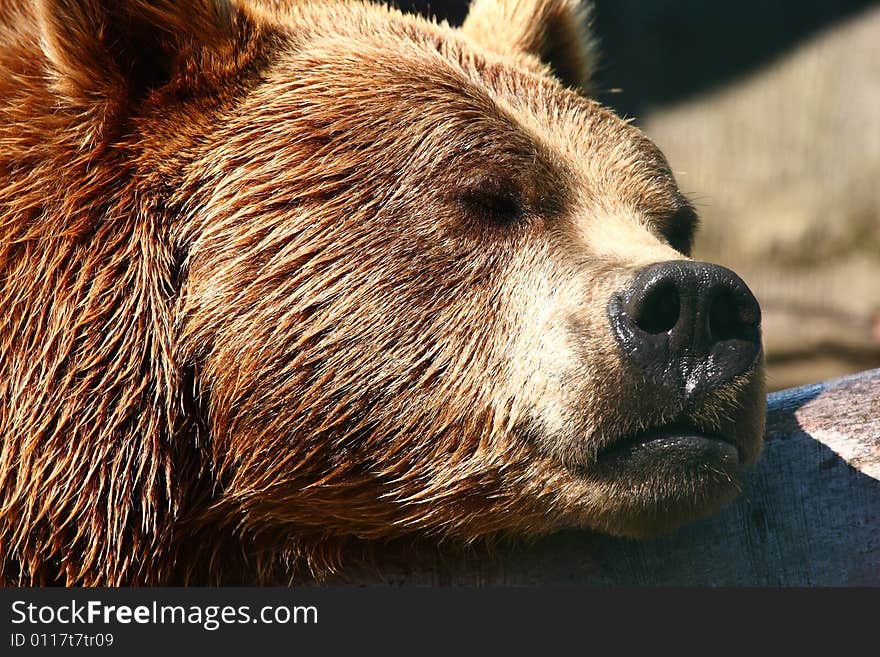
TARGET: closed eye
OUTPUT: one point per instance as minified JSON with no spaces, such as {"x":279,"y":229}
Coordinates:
{"x":498,"y":206}
{"x":680,"y":228}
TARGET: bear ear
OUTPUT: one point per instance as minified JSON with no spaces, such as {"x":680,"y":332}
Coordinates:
{"x":555,"y":31}
{"x":102,"y":51}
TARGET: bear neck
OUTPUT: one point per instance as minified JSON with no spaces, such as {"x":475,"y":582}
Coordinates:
{"x":89,"y":387}
{"x":98,"y":420}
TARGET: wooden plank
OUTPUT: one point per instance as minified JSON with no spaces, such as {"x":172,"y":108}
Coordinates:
{"x":809,"y":515}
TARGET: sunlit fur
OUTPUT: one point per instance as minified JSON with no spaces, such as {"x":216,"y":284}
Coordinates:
{"x":249,"y":320}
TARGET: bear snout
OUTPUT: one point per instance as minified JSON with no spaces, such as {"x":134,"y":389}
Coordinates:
{"x":689,"y":327}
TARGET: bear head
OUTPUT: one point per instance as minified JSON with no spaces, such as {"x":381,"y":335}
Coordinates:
{"x":405,"y":279}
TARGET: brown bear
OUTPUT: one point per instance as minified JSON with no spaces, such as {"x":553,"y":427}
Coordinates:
{"x":281,"y":280}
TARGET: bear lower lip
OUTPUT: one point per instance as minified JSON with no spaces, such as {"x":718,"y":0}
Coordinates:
{"x":671,"y":443}
{"x":657,"y":480}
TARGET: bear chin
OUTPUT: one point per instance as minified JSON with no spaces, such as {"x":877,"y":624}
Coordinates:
{"x":661,"y":479}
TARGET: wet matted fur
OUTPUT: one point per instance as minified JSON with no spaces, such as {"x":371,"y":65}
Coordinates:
{"x":283,"y":278}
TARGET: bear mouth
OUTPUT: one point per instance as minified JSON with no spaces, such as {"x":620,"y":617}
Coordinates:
{"x":673,"y":442}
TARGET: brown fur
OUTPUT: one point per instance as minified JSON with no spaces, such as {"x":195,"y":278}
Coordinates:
{"x":314,"y":274}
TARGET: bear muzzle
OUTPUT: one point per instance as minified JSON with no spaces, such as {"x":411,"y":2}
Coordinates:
{"x":686,"y":330}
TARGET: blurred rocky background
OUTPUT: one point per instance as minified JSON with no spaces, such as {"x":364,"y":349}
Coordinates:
{"x":769,"y":113}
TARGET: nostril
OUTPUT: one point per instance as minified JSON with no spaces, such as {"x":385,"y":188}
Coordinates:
{"x":658,"y":310}
{"x":730,"y":318}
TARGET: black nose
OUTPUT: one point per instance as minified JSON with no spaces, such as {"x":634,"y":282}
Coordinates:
{"x":689,"y":326}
